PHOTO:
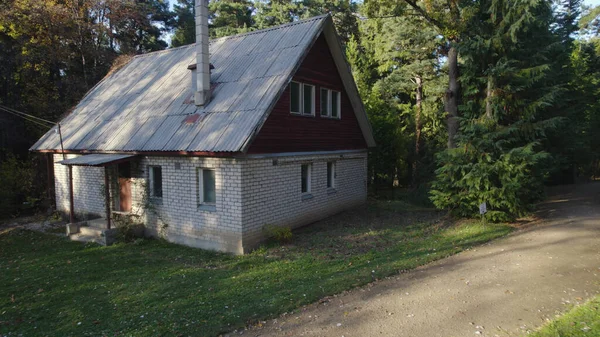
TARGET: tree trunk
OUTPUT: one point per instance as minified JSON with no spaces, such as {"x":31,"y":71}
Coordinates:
{"x":452,"y":93}
{"x":418,"y":127}
{"x":489,"y":113}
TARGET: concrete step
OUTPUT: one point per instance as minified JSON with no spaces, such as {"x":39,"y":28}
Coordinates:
{"x":87,"y":238}
{"x":90,"y":231}
{"x":96,"y":223}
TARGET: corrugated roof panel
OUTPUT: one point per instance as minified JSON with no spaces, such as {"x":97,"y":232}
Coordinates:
{"x":249,"y":43}
{"x":141,"y":107}
{"x":185,"y":134}
{"x":227,"y":95}
{"x":125,"y":134}
{"x":82,"y":139}
{"x":294,"y":35}
{"x":162,"y":93}
{"x":228,"y":49}
{"x":144,"y":131}
{"x":76,"y":131}
{"x":259,"y":67}
{"x":106,"y":132}
{"x":278,"y":84}
{"x":163,"y":133}
{"x":88,"y":142}
{"x":236,"y":68}
{"x":239,"y":129}
{"x":96,"y":159}
{"x":250,"y":99}
{"x":271,"y":40}
{"x":283,"y":64}
{"x":150,"y":85}
{"x":208,"y":136}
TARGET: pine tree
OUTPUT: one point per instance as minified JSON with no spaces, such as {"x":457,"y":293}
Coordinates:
{"x":511,"y":92}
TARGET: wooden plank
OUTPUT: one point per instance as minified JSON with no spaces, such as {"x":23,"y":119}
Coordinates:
{"x":284,"y":132}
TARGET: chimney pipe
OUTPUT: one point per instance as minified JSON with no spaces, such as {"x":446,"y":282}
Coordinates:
{"x":202,"y":95}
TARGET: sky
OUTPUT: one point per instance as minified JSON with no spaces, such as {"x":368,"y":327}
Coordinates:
{"x":592,"y":2}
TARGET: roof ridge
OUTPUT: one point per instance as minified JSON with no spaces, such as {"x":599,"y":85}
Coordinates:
{"x":289,"y":24}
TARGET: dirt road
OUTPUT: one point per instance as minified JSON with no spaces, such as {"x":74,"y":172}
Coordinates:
{"x":504,"y":288}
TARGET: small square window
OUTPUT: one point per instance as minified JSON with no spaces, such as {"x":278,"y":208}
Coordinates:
{"x":206,"y":182}
{"x":330,"y":103}
{"x":306,"y":174}
{"x":331,"y":174}
{"x":302,"y":99}
{"x":156,"y":182}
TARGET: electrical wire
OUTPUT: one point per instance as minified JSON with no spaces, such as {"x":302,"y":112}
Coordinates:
{"x":46,"y":126}
{"x":7,"y":109}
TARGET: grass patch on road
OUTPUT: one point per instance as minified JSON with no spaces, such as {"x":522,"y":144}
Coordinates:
{"x":581,"y":321}
{"x":52,"y":286}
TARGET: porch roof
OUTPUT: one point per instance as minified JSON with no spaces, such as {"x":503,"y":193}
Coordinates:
{"x":97,"y":159}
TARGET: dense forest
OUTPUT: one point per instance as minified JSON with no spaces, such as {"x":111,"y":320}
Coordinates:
{"x":470,"y":101}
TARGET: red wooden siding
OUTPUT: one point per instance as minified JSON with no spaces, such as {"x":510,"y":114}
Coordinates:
{"x":284,"y":132}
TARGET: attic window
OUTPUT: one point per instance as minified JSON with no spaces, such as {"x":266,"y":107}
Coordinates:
{"x":302,"y":99}
{"x":330,"y":103}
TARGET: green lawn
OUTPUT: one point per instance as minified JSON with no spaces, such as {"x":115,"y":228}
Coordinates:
{"x":51,"y":286}
{"x":581,"y":321}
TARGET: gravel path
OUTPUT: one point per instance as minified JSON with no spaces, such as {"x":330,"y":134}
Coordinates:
{"x":504,"y":288}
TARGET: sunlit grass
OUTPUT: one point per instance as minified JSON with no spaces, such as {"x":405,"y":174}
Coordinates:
{"x":51,"y":286}
{"x":581,"y":321}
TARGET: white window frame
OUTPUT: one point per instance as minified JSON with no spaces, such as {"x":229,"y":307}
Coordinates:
{"x":151,"y":180}
{"x":301,"y":99}
{"x":332,"y":175}
{"x":200,"y":184}
{"x":308,"y":179}
{"x":329,"y":113}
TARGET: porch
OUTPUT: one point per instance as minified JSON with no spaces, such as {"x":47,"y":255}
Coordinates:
{"x":116,"y":190}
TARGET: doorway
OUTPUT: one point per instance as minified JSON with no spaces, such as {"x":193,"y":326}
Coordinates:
{"x":124,"y":182}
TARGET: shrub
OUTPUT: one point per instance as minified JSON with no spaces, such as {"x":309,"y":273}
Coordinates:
{"x":281,"y":234}
{"x":488,"y":168}
{"x":16,"y":182}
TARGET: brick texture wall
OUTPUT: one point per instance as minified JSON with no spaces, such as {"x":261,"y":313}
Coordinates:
{"x":88,"y":189}
{"x":251,"y":192}
{"x":186,"y":223}
{"x":271,"y":191}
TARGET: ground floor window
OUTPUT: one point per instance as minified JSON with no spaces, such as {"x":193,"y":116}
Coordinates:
{"x":330,"y":174}
{"x":207,"y":192}
{"x":306,"y":173}
{"x":156,"y":182}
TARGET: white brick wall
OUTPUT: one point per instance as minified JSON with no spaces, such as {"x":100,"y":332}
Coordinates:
{"x":271,"y":194}
{"x":178,"y":208}
{"x":251,"y":192}
{"x":88,"y":189}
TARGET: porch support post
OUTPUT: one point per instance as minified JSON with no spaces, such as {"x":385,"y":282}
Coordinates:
{"x":107,"y":196}
{"x":51,"y":192}
{"x":71,"y":207}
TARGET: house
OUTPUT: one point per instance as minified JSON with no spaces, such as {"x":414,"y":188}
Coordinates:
{"x":267,"y":130}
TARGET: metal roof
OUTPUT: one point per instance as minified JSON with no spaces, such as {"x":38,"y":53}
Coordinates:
{"x":143,"y":107}
{"x":96,"y":159}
